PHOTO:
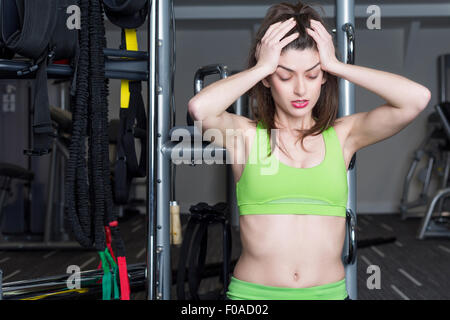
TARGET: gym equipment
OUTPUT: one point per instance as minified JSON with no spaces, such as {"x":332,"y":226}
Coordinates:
{"x":439,"y":225}
{"x":55,"y":287}
{"x":19,"y":217}
{"x":133,"y":120}
{"x":54,"y":235}
{"x":202,"y":216}
{"x":8,"y":172}
{"x":345,"y":41}
{"x":134,"y":68}
{"x":433,"y":147}
{"x":21,"y":222}
{"x":38,"y":31}
{"x":88,"y":190}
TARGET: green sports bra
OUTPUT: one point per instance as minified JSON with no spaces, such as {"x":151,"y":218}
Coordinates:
{"x":268,"y":186}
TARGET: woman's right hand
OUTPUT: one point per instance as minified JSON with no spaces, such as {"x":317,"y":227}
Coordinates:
{"x":268,"y":50}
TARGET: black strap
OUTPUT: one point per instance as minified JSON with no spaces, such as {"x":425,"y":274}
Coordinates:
{"x":196,"y":263}
{"x":133,"y":124}
{"x":139,"y":130}
{"x":43,"y":133}
{"x":184,"y":251}
{"x":194,"y":248}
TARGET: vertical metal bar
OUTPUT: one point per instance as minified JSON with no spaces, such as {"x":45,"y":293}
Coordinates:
{"x":163,"y":51}
{"x":150,"y":270}
{"x":164,"y":66}
{"x":442,"y":79}
{"x":345,"y":14}
{"x":51,"y":189}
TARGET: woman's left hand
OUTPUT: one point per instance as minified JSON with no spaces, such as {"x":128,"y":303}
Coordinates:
{"x":324,"y":43}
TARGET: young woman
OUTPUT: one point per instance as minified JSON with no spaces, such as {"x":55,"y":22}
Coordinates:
{"x":292,"y":189}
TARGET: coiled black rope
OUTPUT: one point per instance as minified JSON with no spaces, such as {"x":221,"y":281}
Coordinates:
{"x":90,"y":206}
{"x":76,"y":187}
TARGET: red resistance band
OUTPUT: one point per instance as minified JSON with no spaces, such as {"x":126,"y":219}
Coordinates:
{"x":108,"y":242}
{"x":121,"y":263}
{"x":123,"y":275}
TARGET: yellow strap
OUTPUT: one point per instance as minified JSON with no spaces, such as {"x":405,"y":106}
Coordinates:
{"x":131,"y":39}
{"x":131,"y":45}
{"x":43,"y":296}
{"x":124,"y":94}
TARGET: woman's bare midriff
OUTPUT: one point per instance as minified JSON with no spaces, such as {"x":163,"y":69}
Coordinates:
{"x":294,"y":251}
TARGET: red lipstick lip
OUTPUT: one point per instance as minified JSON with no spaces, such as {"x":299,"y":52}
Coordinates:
{"x":300,"y":105}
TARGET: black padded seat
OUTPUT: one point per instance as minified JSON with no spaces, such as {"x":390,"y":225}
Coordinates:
{"x":15,"y":172}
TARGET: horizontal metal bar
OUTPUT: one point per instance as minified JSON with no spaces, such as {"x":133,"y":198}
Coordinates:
{"x":140,"y":55}
{"x":39,"y":245}
{"x":135,"y":70}
{"x":193,"y":153}
{"x":207,"y":12}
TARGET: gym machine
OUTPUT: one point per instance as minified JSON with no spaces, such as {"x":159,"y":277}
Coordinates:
{"x":134,"y":68}
{"x":432,"y":147}
{"x":439,"y":224}
{"x":435,"y":147}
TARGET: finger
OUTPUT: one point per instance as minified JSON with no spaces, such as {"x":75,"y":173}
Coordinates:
{"x":317,"y":33}
{"x":289,"y":39}
{"x":270,"y":30}
{"x":314,"y":35}
{"x":281,"y":25}
{"x":311,"y":32}
{"x":257,"y":51}
{"x":281,"y":32}
{"x":321,"y":29}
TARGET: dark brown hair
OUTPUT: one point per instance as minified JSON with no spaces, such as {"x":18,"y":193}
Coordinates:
{"x":326,"y":109}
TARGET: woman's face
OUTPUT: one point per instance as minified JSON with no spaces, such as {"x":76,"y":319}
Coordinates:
{"x":298,"y":77}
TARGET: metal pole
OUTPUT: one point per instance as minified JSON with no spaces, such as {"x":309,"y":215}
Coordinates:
{"x":150,"y":270}
{"x":163,"y":51}
{"x":345,"y":22}
{"x":443,"y":66}
{"x":51,"y":189}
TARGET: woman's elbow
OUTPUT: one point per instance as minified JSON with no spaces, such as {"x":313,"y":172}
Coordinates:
{"x":193,"y":111}
{"x":425,"y":99}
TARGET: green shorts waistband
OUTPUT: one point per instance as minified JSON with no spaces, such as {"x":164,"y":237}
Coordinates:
{"x":243,"y":290}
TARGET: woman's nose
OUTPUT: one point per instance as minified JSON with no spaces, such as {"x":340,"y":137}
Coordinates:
{"x":300,"y":87}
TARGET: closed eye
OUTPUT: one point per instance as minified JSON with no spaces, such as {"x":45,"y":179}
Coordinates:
{"x":312,"y":78}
